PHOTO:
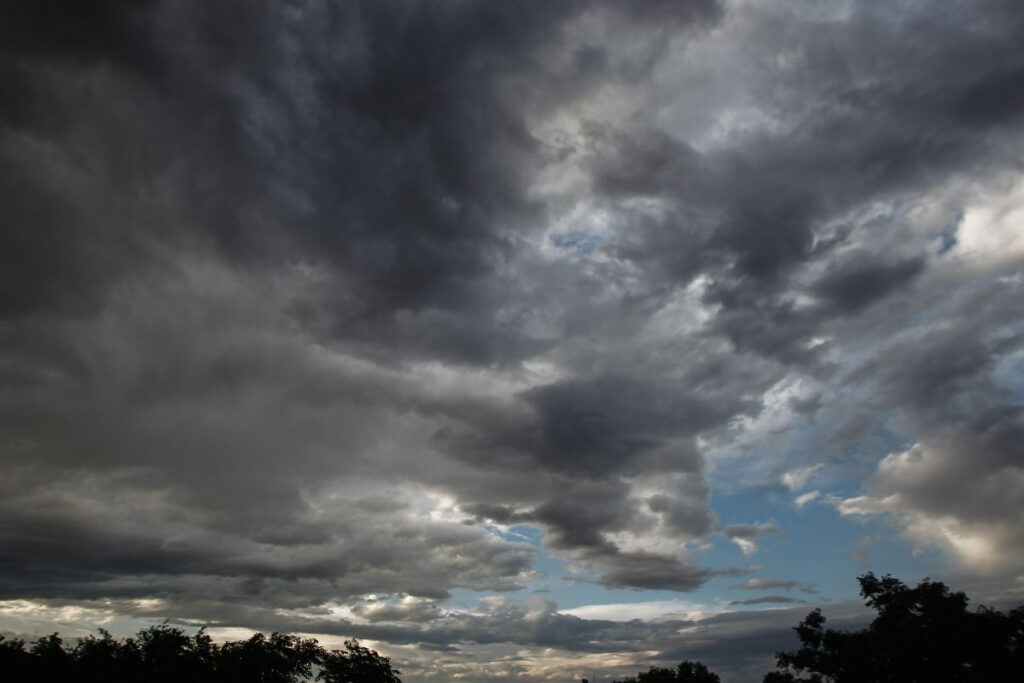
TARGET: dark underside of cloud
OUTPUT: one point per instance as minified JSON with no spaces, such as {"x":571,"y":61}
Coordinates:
{"x":306,"y":302}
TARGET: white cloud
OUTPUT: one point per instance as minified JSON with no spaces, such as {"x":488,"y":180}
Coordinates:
{"x":747,"y":547}
{"x":991,"y":232}
{"x":937,"y":502}
{"x":798,"y":478}
{"x":654,"y":609}
{"x":806,"y":498}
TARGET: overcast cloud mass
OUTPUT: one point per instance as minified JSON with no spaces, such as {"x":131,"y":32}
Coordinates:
{"x":520,"y":340}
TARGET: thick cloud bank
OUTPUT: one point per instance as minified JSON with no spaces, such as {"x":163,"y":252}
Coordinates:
{"x":312,"y":312}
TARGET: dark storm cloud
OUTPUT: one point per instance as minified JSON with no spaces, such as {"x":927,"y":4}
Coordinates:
{"x":581,"y":520}
{"x":853,"y":285}
{"x":199,"y":215}
{"x":609,"y":426}
{"x":948,"y":371}
{"x":605,"y":424}
{"x":577,"y":522}
{"x":751,"y":211}
{"x":105,"y":30}
{"x":994,"y":99}
{"x":495,"y":513}
{"x":381,"y":143}
{"x":312,"y":134}
{"x":342,"y":555}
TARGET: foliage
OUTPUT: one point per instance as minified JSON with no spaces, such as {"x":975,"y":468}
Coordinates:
{"x":166,"y":654}
{"x":278,"y":659}
{"x":356,"y":663}
{"x":686,"y":672}
{"x":921,"y":634}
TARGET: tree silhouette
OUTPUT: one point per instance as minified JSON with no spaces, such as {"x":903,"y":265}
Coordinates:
{"x":356,"y":663}
{"x":921,"y":634}
{"x":52,"y":661}
{"x":106,"y":660}
{"x":166,"y":654}
{"x":278,"y":659}
{"x":15,"y":662}
{"x":686,"y":672}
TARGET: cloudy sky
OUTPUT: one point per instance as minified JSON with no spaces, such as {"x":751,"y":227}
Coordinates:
{"x":521,"y":341}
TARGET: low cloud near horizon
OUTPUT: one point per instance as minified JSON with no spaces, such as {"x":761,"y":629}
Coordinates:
{"x":515,"y":339}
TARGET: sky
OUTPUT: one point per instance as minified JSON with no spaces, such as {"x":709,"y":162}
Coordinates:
{"x":522,"y":341}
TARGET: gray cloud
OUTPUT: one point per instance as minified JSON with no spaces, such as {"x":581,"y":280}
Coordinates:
{"x":608,"y":423}
{"x":254,"y":232}
{"x":689,"y":515}
{"x":653,"y":571}
{"x":953,"y":483}
{"x":766,"y":599}
{"x":853,"y":285}
{"x":761,"y":584}
{"x":416,"y":611}
{"x":342,"y":556}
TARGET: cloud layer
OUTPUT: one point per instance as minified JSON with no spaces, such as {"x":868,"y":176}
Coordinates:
{"x":306,"y":308}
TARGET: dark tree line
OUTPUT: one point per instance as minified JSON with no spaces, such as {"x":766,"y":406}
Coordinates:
{"x":686,"y":672}
{"x":166,"y":654}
